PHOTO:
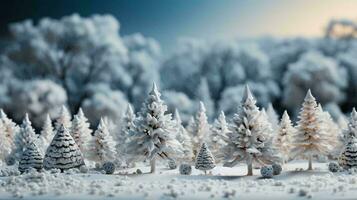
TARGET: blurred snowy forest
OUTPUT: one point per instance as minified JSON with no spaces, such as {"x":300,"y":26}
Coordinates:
{"x":85,"y":62}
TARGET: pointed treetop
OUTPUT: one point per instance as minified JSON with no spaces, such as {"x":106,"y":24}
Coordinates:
{"x":285,"y":115}
{"x":309,"y":96}
{"x":26,"y":119}
{"x":129,"y":110}
{"x":101,"y":123}
{"x":80,"y":113}
{"x":247,"y":95}
{"x":2,"y":114}
{"x":222,"y":116}
{"x":154,"y":90}
{"x":177,"y":116}
{"x":319,"y":107}
{"x":353,"y":114}
{"x":48,"y":118}
{"x":202,"y":107}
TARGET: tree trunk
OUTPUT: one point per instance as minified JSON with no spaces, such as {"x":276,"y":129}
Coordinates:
{"x":153,"y":165}
{"x":310,"y":163}
{"x":250,"y":166}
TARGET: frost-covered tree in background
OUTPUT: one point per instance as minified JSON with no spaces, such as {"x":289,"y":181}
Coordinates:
{"x":80,"y":130}
{"x":351,"y":131}
{"x":183,"y":137}
{"x":63,"y":152}
{"x":249,"y":139}
{"x":9,"y":130}
{"x":320,"y":73}
{"x":46,"y":135}
{"x":24,"y":137}
{"x":204,"y":160}
{"x":5,"y":145}
{"x":155,"y":134}
{"x":273,"y":117}
{"x":102,"y":146}
{"x":310,"y":139}
{"x":64,"y":118}
{"x":283,"y":138}
{"x":31,"y":158}
{"x":200,"y":129}
{"x":203,"y":95}
{"x":179,"y":100}
{"x":217,"y":136}
{"x":348,"y":157}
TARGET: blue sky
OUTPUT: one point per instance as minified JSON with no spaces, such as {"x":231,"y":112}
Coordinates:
{"x":168,"y":20}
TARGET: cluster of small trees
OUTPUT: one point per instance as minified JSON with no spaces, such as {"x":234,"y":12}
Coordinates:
{"x":253,"y":136}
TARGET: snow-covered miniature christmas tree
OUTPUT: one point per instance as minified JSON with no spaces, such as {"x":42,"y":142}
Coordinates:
{"x":24,"y":137}
{"x":310,"y":139}
{"x":205,"y":160}
{"x":351,"y":131}
{"x":348,"y":158}
{"x":64,"y":119}
{"x":218,"y":133}
{"x":31,"y":158}
{"x":46,"y":135}
{"x":203,"y":94}
{"x":5,"y":145}
{"x":273,"y":117}
{"x":249,"y":138}
{"x":126,"y":129}
{"x":200,"y":129}
{"x":9,"y":131}
{"x":102,"y":146}
{"x":80,"y":130}
{"x":63,"y":152}
{"x":183,"y":137}
{"x":283,"y":138}
{"x":155,"y":133}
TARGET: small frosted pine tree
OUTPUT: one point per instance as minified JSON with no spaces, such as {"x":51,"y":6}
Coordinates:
{"x":31,"y":158}
{"x":273,"y":117}
{"x":102,"y":146}
{"x":249,"y":138}
{"x":5,"y":145}
{"x":218,"y":134}
{"x":348,"y":158}
{"x":205,"y":160}
{"x":351,"y":131}
{"x":284,"y":135}
{"x":24,"y":137}
{"x":126,"y":129}
{"x":63,"y":152}
{"x":155,"y":134}
{"x":80,"y":130}
{"x":183,"y":137}
{"x":46,"y":135}
{"x":203,"y":94}
{"x":310,"y":139}
{"x":64,"y":118}
{"x":200,"y":129}
{"x":10,"y":130}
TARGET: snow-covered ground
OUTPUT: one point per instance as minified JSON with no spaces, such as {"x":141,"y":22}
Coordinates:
{"x":168,"y":184}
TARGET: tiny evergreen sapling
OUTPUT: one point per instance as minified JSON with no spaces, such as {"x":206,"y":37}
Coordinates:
{"x":218,"y":135}
{"x":102,"y":147}
{"x":183,"y":137}
{"x":348,"y":157}
{"x":284,"y":136}
{"x":205,"y":160}
{"x":80,"y":130}
{"x":31,"y":158}
{"x":25,"y":136}
{"x":155,"y":133}
{"x":249,"y":138}
{"x":310,"y":139}
{"x":126,"y":129}
{"x":63,"y":152}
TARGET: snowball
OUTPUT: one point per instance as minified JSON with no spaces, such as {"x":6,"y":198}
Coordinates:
{"x":172,"y":164}
{"x":109,"y":167}
{"x":185,"y":169}
{"x":277,"y":169}
{"x":267,"y":171}
{"x":333,"y":167}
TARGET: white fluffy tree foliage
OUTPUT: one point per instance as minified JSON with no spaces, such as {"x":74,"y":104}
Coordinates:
{"x":273,"y":117}
{"x":63,"y":152}
{"x":283,"y":138}
{"x":203,"y":95}
{"x":183,"y":137}
{"x":46,"y":135}
{"x":205,"y":160}
{"x":217,"y":136}
{"x":80,"y":130}
{"x":310,"y":139}
{"x":155,"y":134}
{"x":249,"y":138}
{"x":351,"y":131}
{"x":31,"y":158}
{"x":5,"y":145}
{"x":25,"y":136}
{"x":102,"y":146}
{"x":200,"y":129}
{"x":64,"y":118}
{"x":9,"y":130}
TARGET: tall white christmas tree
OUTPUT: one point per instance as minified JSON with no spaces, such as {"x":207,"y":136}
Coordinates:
{"x":183,"y":137}
{"x":348,"y":157}
{"x":310,"y":139}
{"x":127,"y":127}
{"x":200,"y":129}
{"x":80,"y":130}
{"x":63,"y":152}
{"x":203,"y":94}
{"x":155,"y":134}
{"x":24,"y":137}
{"x":273,"y":117}
{"x":283,"y":138}
{"x":31,"y":158}
{"x":249,"y":138}
{"x":218,"y":134}
{"x":46,"y":135}
{"x":10,"y":130}
{"x":102,"y":146}
{"x":64,"y":119}
{"x":205,"y":160}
